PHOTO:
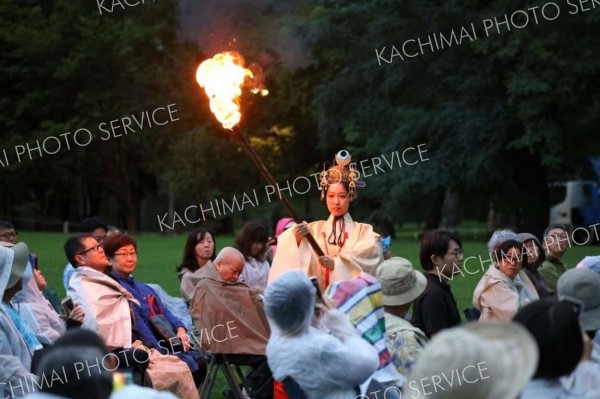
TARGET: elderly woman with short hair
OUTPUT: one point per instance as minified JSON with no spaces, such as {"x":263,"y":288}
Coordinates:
{"x":502,"y":290}
{"x":121,"y":251}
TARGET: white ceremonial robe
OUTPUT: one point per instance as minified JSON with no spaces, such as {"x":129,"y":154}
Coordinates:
{"x":361,"y":252}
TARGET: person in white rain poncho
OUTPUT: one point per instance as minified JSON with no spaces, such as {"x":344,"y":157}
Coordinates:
{"x":327,"y":363}
{"x":15,"y":357}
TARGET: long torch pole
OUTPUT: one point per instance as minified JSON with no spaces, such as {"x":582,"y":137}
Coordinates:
{"x":262,"y":168}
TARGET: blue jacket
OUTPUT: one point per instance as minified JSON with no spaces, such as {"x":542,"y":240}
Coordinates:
{"x":141,"y":315}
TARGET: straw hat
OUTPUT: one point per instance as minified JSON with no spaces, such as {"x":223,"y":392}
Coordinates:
{"x":485,"y":360}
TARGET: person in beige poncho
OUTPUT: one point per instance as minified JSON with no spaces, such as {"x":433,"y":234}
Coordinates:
{"x":349,"y":247}
{"x":106,"y":305}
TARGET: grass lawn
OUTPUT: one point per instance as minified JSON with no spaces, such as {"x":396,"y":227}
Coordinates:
{"x":159,"y":255}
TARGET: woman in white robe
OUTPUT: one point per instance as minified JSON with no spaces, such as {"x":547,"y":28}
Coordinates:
{"x":349,"y":247}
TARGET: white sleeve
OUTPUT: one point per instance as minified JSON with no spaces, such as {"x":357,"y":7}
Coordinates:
{"x":338,"y":324}
{"x":13,"y":374}
{"x":337,"y":356}
{"x":47,"y":330}
{"x":78,"y":293}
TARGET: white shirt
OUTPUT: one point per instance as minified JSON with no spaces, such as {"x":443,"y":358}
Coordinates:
{"x":255,"y":273}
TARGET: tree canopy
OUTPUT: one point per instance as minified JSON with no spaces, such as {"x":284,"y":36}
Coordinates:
{"x":501,"y":111}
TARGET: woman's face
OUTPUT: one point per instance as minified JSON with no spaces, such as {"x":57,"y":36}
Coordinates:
{"x":533,"y":253}
{"x":257,"y":248}
{"x":450,"y":263}
{"x":510,"y":262}
{"x":204,"y":248}
{"x":124,"y":261}
{"x":337,"y":199}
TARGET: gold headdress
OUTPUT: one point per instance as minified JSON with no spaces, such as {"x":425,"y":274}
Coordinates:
{"x":342,"y":171}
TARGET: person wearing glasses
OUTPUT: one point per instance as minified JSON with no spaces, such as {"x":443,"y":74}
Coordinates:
{"x":97,"y":229}
{"x":441,"y":257}
{"x":8,"y":232}
{"x":121,"y":250}
{"x":503,"y":290}
{"x":104,"y":301}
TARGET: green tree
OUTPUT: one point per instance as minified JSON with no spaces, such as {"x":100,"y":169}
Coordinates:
{"x":488,"y":122}
{"x":68,"y":67}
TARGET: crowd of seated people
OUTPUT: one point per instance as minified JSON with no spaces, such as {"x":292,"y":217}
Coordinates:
{"x":395,"y":334}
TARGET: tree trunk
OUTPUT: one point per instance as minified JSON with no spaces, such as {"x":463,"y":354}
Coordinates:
{"x":434,"y":216}
{"x":450,"y":210}
{"x":531,"y":199}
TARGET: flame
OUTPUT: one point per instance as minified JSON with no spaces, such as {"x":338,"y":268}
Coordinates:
{"x":222,"y":77}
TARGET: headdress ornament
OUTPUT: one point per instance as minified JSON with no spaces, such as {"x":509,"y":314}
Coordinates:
{"x":341,"y":171}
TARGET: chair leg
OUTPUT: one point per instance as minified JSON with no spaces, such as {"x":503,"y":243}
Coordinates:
{"x":211,"y":377}
{"x":240,"y":374}
{"x":231,"y":380}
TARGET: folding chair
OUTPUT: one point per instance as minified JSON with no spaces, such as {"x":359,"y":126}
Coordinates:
{"x":218,"y":361}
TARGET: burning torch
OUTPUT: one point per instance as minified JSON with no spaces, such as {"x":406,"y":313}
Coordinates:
{"x":222,"y":77}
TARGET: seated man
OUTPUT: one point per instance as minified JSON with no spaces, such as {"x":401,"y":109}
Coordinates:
{"x":230,"y":318}
{"x":95,"y":228}
{"x":103,"y":300}
{"x":107,"y":311}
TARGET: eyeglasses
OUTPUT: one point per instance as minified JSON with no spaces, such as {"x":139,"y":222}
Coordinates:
{"x":459,"y":253}
{"x":9,"y":234}
{"x":126,"y":255}
{"x":95,"y":248}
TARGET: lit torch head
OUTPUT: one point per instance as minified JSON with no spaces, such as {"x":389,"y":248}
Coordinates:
{"x":222,"y":77}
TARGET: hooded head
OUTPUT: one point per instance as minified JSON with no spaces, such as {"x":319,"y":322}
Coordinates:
{"x":13,"y":261}
{"x":290,"y":302}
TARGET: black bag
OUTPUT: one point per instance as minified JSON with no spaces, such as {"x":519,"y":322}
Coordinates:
{"x":260,"y":381}
{"x":163,"y":330}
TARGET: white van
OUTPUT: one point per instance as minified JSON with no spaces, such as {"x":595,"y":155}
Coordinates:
{"x":579,"y":204}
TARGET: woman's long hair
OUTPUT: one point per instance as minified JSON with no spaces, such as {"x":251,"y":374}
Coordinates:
{"x":189,"y":252}
{"x":251,"y":232}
